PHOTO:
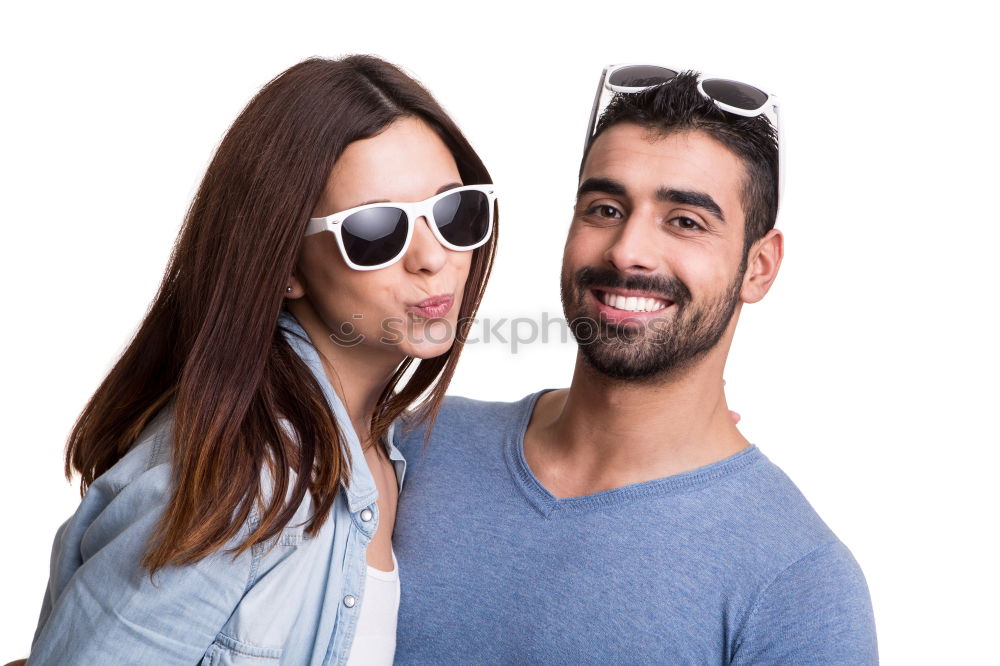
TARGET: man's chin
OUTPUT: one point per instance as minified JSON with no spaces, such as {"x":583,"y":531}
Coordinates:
{"x":621,"y":368}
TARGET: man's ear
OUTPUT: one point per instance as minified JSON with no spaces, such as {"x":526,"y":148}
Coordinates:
{"x":763,"y":262}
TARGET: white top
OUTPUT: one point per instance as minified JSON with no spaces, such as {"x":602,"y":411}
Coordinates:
{"x":375,"y":636}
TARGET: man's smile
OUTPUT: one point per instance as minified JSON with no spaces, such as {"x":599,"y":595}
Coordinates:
{"x":623,"y":305}
{"x":631,"y":300}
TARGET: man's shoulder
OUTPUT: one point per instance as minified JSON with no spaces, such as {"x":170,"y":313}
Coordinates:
{"x":786,"y":530}
{"x":766,"y":519}
{"x":815,"y":610}
{"x":800,"y":582}
{"x":460,"y":411}
{"x":465,"y":421}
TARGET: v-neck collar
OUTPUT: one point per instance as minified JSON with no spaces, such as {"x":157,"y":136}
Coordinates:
{"x":550,"y":506}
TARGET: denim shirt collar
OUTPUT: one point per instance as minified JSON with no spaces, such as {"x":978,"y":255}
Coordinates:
{"x":361,"y":490}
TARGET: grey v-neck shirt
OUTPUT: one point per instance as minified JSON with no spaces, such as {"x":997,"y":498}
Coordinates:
{"x":726,"y":564}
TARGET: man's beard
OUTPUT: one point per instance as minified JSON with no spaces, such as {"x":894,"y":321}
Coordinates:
{"x":653,"y":349}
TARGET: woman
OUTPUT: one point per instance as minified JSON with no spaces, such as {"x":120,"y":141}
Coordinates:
{"x":239,"y":484}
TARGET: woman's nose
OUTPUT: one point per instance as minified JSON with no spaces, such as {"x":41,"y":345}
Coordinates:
{"x":425,"y":254}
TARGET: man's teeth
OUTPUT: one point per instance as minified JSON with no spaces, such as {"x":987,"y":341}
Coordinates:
{"x":632,"y":303}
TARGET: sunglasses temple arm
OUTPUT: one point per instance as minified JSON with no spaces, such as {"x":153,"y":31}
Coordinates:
{"x":593,"y":111}
{"x":782,"y":166}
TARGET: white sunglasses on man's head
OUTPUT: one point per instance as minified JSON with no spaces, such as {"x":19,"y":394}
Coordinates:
{"x":735,"y":97}
{"x":377,"y":235}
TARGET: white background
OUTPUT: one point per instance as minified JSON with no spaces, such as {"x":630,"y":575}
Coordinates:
{"x":868,"y":373}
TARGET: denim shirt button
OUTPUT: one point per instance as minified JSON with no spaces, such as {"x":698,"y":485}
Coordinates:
{"x":349,"y":601}
{"x":366,"y":515}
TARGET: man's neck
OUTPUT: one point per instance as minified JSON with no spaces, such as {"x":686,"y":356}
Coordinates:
{"x":603,"y":433}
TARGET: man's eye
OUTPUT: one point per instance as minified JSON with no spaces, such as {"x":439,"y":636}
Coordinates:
{"x":686,"y":223}
{"x":605,"y":211}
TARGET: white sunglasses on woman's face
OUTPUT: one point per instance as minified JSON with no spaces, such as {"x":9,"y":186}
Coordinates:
{"x":377,"y":235}
{"x":736,"y":97}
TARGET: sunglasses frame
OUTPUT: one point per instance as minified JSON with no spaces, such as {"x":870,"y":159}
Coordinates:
{"x":769,"y":108}
{"x":413,"y":211}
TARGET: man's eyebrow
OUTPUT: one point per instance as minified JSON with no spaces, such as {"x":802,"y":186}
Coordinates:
{"x":691,"y":198}
{"x":605,"y":185}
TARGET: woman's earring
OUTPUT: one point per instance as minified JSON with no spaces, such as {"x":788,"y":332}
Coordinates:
{"x":288,"y":288}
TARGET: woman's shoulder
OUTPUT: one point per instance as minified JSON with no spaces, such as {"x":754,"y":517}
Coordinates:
{"x":123,"y":507}
{"x":143,"y":478}
{"x":149,"y":457}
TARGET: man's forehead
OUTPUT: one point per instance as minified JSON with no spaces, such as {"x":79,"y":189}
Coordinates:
{"x":646,"y":160}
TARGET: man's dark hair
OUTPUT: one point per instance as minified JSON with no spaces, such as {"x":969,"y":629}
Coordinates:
{"x":678,"y":106}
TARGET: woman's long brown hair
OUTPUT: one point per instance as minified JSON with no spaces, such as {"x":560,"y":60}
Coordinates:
{"x":210,"y":347}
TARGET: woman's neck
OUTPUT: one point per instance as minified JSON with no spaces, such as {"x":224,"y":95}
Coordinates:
{"x":358,"y":374}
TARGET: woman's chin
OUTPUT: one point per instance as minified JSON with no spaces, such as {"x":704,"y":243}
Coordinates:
{"x":426,"y":350}
{"x":429,"y":338}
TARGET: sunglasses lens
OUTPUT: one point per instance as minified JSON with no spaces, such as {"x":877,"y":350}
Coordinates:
{"x":463,"y":218}
{"x":638,"y":76}
{"x":734,"y":93}
{"x":375,"y":235}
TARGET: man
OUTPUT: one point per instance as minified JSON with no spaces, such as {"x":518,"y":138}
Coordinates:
{"x":626,"y":519}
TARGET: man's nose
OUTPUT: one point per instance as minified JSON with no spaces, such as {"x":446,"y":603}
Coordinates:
{"x":635,"y":247}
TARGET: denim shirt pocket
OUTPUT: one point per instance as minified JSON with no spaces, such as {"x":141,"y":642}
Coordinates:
{"x":284,"y":591}
{"x":258,"y":629}
{"x":228,"y":651}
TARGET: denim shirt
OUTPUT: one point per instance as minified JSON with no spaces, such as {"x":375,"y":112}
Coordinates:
{"x":293,"y":600}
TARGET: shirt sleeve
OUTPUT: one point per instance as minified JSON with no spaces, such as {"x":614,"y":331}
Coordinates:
{"x":102,"y":607}
{"x":817,"y":611}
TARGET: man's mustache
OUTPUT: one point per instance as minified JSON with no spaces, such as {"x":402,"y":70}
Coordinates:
{"x":670,"y":289}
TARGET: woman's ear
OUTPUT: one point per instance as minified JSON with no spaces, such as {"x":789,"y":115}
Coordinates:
{"x":763,"y":262}
{"x":294,"y":288}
